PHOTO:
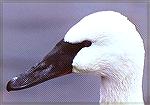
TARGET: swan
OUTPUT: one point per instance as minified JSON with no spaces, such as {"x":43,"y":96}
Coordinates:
{"x":105,"y":44}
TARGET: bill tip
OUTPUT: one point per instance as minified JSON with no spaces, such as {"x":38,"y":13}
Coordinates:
{"x":8,"y":88}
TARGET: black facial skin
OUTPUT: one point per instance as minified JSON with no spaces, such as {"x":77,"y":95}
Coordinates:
{"x":56,"y":63}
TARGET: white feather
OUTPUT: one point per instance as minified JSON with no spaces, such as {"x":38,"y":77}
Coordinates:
{"x":116,"y":55}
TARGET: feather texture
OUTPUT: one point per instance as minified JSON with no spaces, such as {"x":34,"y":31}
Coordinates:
{"x":116,"y":55}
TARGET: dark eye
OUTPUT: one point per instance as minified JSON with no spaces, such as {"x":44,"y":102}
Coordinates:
{"x":87,"y":43}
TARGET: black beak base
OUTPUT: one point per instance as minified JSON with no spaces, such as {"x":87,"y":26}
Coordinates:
{"x":57,"y":63}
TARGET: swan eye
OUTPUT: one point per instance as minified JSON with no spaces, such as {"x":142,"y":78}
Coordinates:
{"x":87,"y":43}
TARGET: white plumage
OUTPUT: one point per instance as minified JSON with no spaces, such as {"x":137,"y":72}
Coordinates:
{"x":116,"y":55}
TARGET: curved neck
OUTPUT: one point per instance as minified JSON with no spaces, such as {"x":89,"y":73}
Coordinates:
{"x":112,"y":91}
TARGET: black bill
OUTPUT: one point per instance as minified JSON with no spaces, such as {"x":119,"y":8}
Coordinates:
{"x":57,"y":63}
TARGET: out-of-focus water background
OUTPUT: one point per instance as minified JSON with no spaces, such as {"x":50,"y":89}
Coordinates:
{"x":31,"y":30}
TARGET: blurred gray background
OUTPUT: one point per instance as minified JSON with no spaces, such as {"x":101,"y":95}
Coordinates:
{"x":30,"y":30}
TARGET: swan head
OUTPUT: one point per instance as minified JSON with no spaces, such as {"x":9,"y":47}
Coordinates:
{"x":116,"y":55}
{"x":103,"y":43}
{"x":115,"y":44}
